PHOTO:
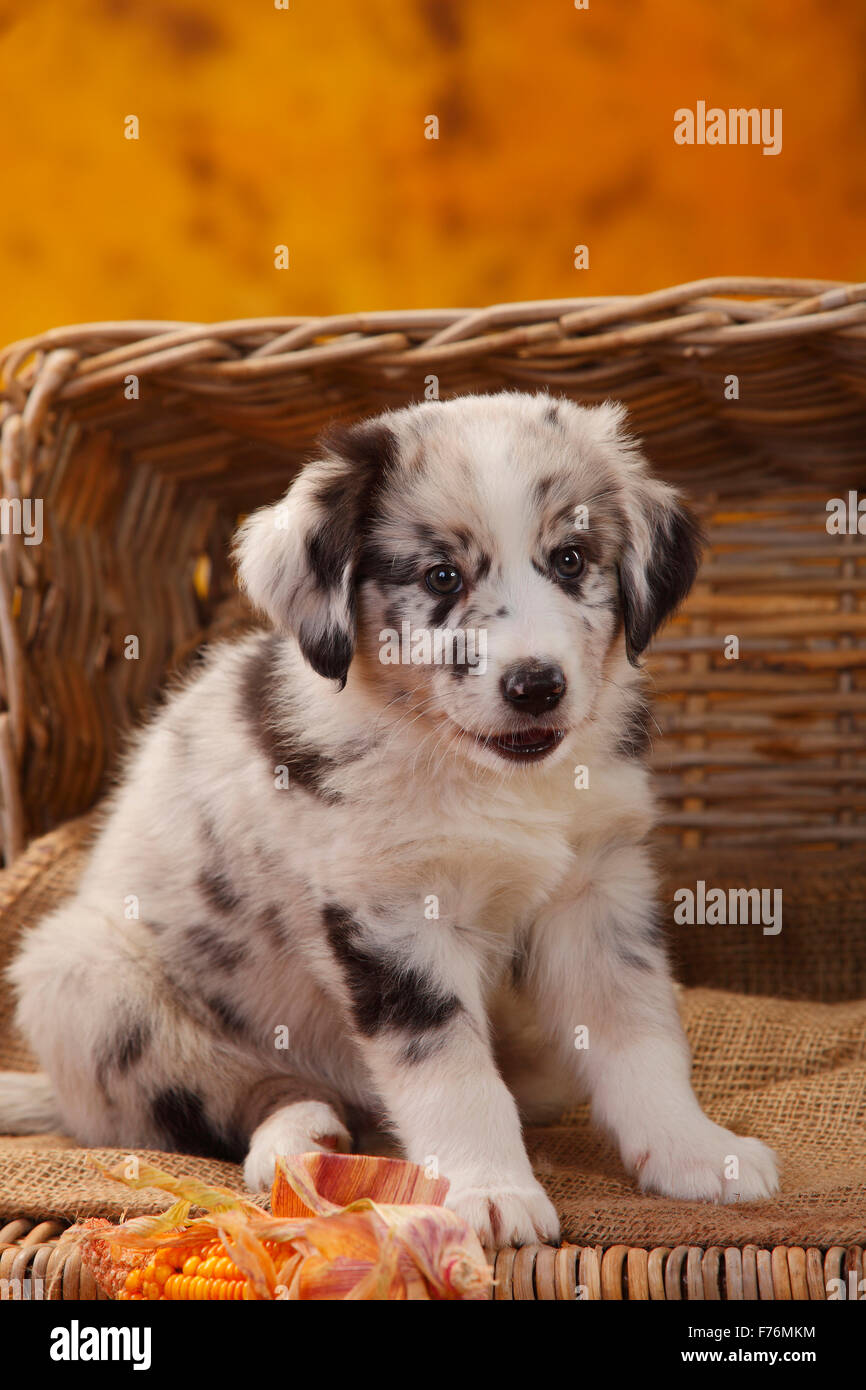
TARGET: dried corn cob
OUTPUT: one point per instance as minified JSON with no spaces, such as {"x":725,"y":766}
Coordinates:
{"x":364,"y":1245}
{"x":189,"y":1272}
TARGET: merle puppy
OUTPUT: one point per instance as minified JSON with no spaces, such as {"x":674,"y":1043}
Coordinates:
{"x":334,"y":885}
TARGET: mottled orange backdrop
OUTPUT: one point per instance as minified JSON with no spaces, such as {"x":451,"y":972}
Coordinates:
{"x":305,"y":127}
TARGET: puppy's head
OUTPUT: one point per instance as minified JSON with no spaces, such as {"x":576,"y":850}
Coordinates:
{"x":483,"y":562}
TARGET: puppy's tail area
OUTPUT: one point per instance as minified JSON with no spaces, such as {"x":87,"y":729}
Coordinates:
{"x":27,"y":1103}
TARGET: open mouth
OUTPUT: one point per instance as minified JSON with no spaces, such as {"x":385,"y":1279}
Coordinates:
{"x":523,"y":745}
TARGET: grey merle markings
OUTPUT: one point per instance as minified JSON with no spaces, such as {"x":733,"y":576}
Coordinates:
{"x":260,"y":689}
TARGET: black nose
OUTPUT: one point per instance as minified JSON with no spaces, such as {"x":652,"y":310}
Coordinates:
{"x":533,"y":687}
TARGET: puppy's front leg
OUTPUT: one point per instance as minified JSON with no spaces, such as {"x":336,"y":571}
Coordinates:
{"x":417,"y":1007}
{"x":605,"y":997}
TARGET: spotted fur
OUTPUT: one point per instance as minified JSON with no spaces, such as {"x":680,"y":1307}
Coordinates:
{"x":349,"y":901}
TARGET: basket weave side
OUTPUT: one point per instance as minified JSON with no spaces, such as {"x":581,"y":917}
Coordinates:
{"x":34,"y":1265}
{"x":145,"y":440}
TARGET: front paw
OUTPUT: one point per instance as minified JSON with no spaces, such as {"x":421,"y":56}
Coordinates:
{"x":506,"y":1215}
{"x":710,"y":1165}
{"x":305,"y":1127}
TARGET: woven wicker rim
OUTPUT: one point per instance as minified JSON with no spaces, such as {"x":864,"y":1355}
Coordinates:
{"x":700,"y":315}
{"x":542,"y":1273}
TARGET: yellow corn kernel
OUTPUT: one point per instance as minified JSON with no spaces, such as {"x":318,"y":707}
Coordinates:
{"x":226,"y":1282}
{"x":185,"y":1273}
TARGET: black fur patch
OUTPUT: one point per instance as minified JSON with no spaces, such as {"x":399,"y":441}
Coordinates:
{"x":124,"y":1051}
{"x":306,"y":767}
{"x":391,"y":570}
{"x":385,"y":993}
{"x":131,"y":1048}
{"x":676,"y":553}
{"x":445,"y":606}
{"x":327,"y":554}
{"x":225,"y":955}
{"x":371,"y":450}
{"x":230,"y":1020}
{"x":387,"y":568}
{"x":179,"y":1116}
{"x":217,"y":891}
{"x":371,"y":446}
{"x":329,"y":652}
{"x":347,"y":498}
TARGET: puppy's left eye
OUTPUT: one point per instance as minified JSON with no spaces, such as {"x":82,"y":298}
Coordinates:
{"x":444,"y":579}
{"x":568,"y":562}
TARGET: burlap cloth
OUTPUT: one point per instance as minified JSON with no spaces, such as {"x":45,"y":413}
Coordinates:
{"x":788,"y":1069}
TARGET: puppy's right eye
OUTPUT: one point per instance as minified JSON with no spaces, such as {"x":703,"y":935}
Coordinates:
{"x":444,"y":579}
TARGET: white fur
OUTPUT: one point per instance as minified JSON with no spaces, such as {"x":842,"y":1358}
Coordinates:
{"x":29,"y":1103}
{"x":301,"y":1128}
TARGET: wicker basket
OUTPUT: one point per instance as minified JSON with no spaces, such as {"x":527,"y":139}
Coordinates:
{"x":146,"y":441}
{"x":140,"y":496}
{"x":34,"y":1265}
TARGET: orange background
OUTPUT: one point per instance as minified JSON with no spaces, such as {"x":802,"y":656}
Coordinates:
{"x":306,"y":127}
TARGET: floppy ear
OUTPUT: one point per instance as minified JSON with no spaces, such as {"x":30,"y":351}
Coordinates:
{"x":297,"y":559}
{"x":659,"y":562}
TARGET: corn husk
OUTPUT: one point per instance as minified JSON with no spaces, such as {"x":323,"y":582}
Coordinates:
{"x":321,"y":1182}
{"x":342,"y":1227}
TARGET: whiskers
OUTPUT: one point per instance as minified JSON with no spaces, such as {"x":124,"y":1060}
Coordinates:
{"x":613,"y":726}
